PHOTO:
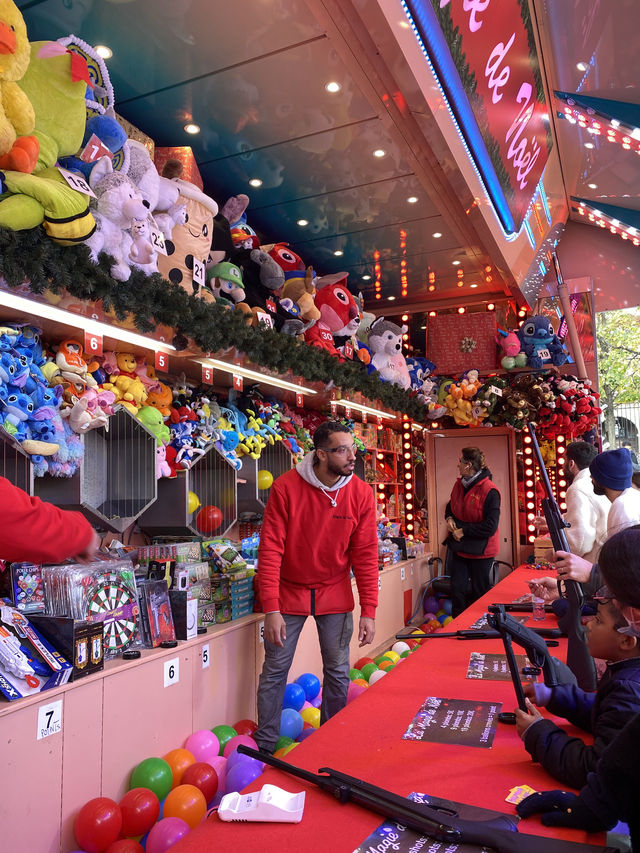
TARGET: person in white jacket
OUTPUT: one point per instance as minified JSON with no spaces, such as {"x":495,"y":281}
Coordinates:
{"x":586,"y":512}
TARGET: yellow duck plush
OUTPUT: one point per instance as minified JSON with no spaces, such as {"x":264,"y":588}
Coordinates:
{"x":18,"y":150}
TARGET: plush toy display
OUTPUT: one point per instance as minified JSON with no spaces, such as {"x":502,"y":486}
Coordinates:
{"x":385,"y":343}
{"x":420,"y":370}
{"x":337,"y":308}
{"x":490,"y":395}
{"x":540,"y":342}
{"x":298,"y":297}
{"x":513,"y":356}
{"x":18,"y":150}
{"x":224,"y":280}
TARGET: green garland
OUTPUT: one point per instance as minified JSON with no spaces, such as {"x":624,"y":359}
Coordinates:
{"x":31,"y":257}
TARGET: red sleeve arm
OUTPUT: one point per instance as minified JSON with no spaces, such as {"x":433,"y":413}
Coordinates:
{"x":271,"y":549}
{"x":37,"y":531}
{"x":363,"y":552}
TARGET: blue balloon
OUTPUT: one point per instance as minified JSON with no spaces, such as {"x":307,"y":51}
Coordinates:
{"x":446,"y":605}
{"x":291,"y":723}
{"x":294,"y":697}
{"x":310,"y":683}
{"x":442,"y":618}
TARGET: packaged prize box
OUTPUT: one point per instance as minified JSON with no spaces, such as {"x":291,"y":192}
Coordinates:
{"x":101,"y":591}
{"x":27,"y":589}
{"x":225,"y":555}
{"x":81,"y":643}
{"x":179,"y":552}
{"x":155,"y":609}
{"x":28,"y":662}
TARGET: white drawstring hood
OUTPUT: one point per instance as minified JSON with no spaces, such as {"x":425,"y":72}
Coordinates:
{"x":306,"y":471}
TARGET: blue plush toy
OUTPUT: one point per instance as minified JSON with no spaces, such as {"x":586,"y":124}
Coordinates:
{"x":540,"y":342}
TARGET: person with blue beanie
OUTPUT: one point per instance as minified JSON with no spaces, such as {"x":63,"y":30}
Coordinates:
{"x":611,"y":474}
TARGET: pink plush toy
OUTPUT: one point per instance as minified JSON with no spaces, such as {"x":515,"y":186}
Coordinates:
{"x":513,"y":356}
{"x":163,"y":469}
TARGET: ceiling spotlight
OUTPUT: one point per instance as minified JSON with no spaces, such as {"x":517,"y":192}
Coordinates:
{"x":303,"y":222}
{"x":391,"y":298}
{"x":592,"y":186}
{"x":192,"y":128}
{"x":366,"y":278}
{"x":338,"y":253}
{"x":333,"y":87}
{"x":379,"y":152}
{"x":456,"y":263}
{"x":588,"y":145}
{"x":255,"y":182}
{"x":412,"y":199}
{"x":437,"y":235}
{"x":582,"y":66}
{"x":103,"y":51}
{"x":423,"y":327}
{"x":473,"y":285}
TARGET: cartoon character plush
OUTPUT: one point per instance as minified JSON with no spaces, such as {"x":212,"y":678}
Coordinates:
{"x":163,"y":469}
{"x":224,"y":280}
{"x":72,"y":366}
{"x":337,"y":308}
{"x":142,"y":253}
{"x":540,"y":342}
{"x":286,"y":258}
{"x":154,"y":422}
{"x":420,"y":370}
{"x":299,"y":293}
{"x":385,"y":343}
{"x":490,"y":395}
{"x":513,"y":356}
{"x":161,"y":399}
{"x":18,"y":150}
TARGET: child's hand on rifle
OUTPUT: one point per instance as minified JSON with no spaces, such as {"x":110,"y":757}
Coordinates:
{"x":527,"y":718}
{"x":538,"y":692}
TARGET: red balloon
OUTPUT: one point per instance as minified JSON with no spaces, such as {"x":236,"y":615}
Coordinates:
{"x":209,"y":519}
{"x":202,"y":776}
{"x":140,"y":809}
{"x":125,"y":845}
{"x":98,"y":824}
{"x":245,"y":727}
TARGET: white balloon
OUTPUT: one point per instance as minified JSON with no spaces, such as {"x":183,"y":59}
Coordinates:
{"x":400,"y":647}
{"x":376,"y":676}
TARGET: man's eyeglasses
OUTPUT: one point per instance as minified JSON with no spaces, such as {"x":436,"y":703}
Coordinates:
{"x":341,"y":451}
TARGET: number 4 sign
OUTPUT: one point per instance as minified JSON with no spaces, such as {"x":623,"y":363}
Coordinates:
{"x":92,"y":343}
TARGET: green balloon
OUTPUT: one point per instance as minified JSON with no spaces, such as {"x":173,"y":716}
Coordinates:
{"x":154,"y":774}
{"x":368,"y":670}
{"x":405,"y":653}
{"x":224,"y":734}
{"x":354,"y":673}
{"x":381,"y":658}
{"x":283,"y":741}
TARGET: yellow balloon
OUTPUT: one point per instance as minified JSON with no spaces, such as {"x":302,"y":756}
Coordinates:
{"x":193,"y":502}
{"x":265,"y":479}
{"x":394,"y":655}
{"x":311,"y":715}
{"x":287,"y":749}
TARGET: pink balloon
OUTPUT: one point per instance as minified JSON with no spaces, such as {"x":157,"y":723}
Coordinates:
{"x":165,"y":834}
{"x":202,"y":744}
{"x":354,"y":691}
{"x":219,"y":764}
{"x":306,"y":705}
{"x":235,"y":742}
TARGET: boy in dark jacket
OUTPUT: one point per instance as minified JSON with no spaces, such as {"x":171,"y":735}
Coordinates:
{"x":604,"y":713}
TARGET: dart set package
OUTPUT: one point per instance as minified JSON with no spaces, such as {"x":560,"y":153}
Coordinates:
{"x":102,"y":591}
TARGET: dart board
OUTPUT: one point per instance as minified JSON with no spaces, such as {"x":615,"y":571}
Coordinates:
{"x":111,"y":592}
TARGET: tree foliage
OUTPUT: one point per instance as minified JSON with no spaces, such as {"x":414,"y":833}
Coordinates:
{"x":618,"y":339}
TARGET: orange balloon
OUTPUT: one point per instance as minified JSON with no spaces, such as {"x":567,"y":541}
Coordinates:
{"x":178,"y":760}
{"x":361,"y":682}
{"x":186,"y":802}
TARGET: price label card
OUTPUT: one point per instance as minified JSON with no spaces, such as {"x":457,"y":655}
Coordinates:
{"x":261,"y":632}
{"x":199,"y":272}
{"x":49,"y":719}
{"x":379,"y":420}
{"x":348,"y":350}
{"x":403,"y":573}
{"x":94,"y":150}
{"x":379,"y":582}
{"x":206,"y":656}
{"x":347,"y":412}
{"x":207,"y":375}
{"x":544,"y":354}
{"x":271,"y":305}
{"x":161,"y":361}
{"x":76,"y":182}
{"x":334,"y":395}
{"x":92,"y":344}
{"x":237,"y":382}
{"x":364,"y":417}
{"x":157,"y":240}
{"x":171,"y":672}
{"x":265,"y":319}
{"x":299,"y":399}
{"x":493,"y":389}
{"x":334,"y":407}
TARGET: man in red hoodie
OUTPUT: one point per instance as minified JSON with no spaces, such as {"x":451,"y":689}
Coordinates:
{"x":40,"y":532}
{"x":320,"y":522}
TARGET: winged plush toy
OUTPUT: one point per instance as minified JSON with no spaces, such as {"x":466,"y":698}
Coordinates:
{"x":540,"y":342}
{"x":337,"y":309}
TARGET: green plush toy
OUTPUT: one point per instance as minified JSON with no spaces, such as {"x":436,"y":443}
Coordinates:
{"x":490,"y":394}
{"x":154,"y":422}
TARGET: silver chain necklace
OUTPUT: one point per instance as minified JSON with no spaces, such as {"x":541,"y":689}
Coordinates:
{"x":334,"y":501}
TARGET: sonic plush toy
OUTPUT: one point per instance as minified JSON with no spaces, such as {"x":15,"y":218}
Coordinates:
{"x":540,"y":342}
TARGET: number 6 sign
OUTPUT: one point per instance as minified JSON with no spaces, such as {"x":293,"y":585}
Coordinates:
{"x":92,"y":343}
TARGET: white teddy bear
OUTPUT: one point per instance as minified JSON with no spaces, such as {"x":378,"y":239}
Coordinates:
{"x":385,"y":343}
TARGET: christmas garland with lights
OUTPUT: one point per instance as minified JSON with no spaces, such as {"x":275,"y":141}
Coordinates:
{"x":31,"y":258}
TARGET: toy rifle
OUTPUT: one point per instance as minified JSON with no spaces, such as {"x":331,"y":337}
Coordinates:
{"x":478,"y":634}
{"x":438,"y":821}
{"x":579,"y":660}
{"x":554,"y":671}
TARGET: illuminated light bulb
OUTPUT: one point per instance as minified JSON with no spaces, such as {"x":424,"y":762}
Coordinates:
{"x":379,"y":152}
{"x":527,"y":439}
{"x":338,"y":253}
{"x":409,"y":517}
{"x":437,"y":235}
{"x":405,"y":317}
{"x":255,"y":182}
{"x":562,"y":483}
{"x":531,"y":527}
{"x":563,"y":505}
{"x":380,"y":455}
{"x":461,"y":310}
{"x":407,"y":464}
{"x":409,"y":526}
{"x":192,"y":128}
{"x":490,"y":306}
{"x":409,"y":506}
{"x":531,"y":506}
{"x":303,"y":222}
{"x":333,"y":87}
{"x":407,"y":456}
{"x":412,"y":199}
{"x":531,"y":538}
{"x":559,"y":439}
{"x":103,"y":51}
{"x":366,"y":278}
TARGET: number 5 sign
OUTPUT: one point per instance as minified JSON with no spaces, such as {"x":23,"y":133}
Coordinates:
{"x":92,"y":343}
{"x":162,"y":361}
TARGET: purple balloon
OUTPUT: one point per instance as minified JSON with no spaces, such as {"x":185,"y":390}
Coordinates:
{"x":305,"y":733}
{"x":241,"y":775}
{"x":237,"y":757}
{"x":166,"y":833}
{"x":317,"y":700}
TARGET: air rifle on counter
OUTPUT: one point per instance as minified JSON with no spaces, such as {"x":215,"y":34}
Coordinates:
{"x":554,"y":671}
{"x":478,"y":634}
{"x":579,"y":660}
{"x":438,"y":821}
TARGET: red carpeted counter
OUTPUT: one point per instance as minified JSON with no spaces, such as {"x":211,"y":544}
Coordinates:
{"x":365,"y":740}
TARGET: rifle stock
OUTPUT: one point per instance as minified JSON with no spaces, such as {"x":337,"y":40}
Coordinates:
{"x":500,"y":834}
{"x":579,"y":660}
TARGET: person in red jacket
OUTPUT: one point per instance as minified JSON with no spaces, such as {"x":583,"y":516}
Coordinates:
{"x":40,"y":532}
{"x":472,"y":515}
{"x":320,"y":521}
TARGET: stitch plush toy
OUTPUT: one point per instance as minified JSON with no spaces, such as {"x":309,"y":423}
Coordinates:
{"x":540,"y":342}
{"x":385,"y":343}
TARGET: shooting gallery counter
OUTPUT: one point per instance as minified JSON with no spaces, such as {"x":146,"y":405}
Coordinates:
{"x":365,"y":741}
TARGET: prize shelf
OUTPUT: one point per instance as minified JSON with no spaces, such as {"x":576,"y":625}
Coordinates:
{"x":380,"y":460}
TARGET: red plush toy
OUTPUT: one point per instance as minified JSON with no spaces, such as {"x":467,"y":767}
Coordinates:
{"x":337,"y":309}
